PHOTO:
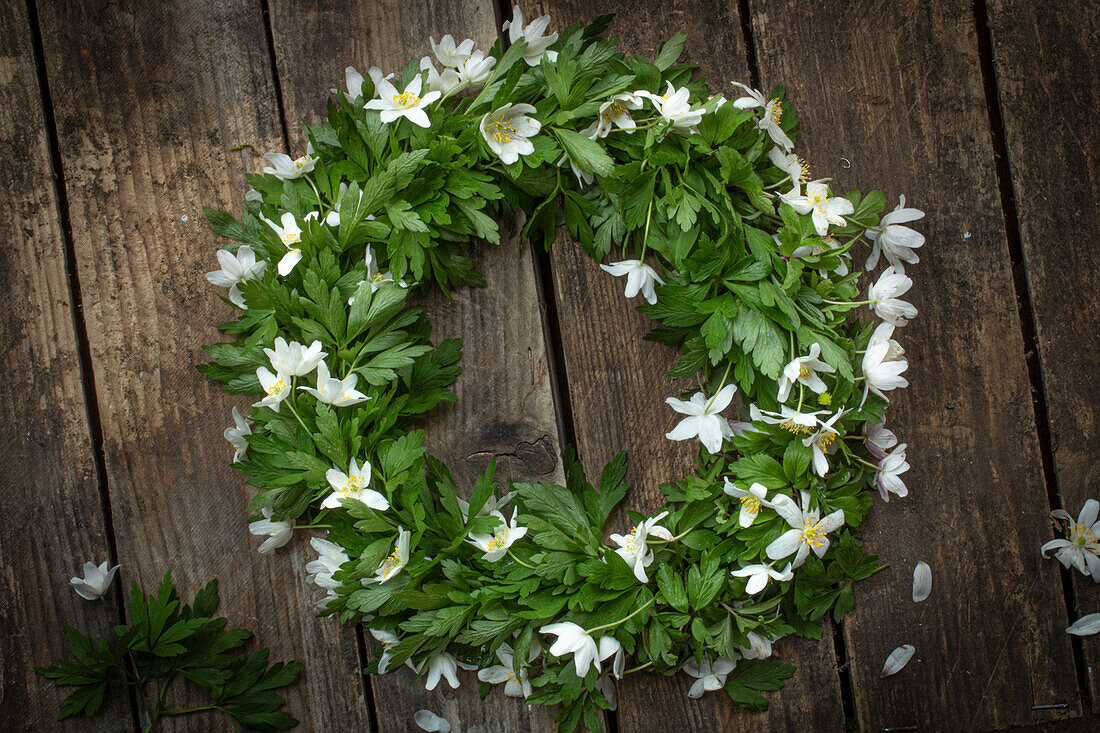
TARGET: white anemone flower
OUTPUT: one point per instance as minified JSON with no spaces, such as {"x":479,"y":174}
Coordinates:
{"x":895,"y":241}
{"x":573,"y":639}
{"x":389,"y":640}
{"x":808,"y":531}
{"x":290,"y":234}
{"x":393,"y":105}
{"x":277,"y":387}
{"x":334,"y":391}
{"x":760,"y":647}
{"x":788,"y":418}
{"x":803,"y":370}
{"x":882,"y":373}
{"x":353,"y":80}
{"x":888,"y":480}
{"x":640,"y":278}
{"x":514,"y":685}
{"x":286,"y":168}
{"x":704,"y":418}
{"x":1082,"y":548}
{"x":675,"y":108}
{"x":796,"y":168}
{"x":492,"y":505}
{"x":294,"y":359}
{"x":508,"y":130}
{"x":610,"y":646}
{"x":769,"y":121}
{"x":751,"y":500}
{"x":235,"y":269}
{"x":236,"y":436}
{"x":708,"y":676}
{"x":443,"y":83}
{"x":477,"y":69}
{"x":353,"y":485}
{"x":448,"y":53}
{"x":392,"y":565}
{"x":538,"y":45}
{"x":884,"y":297}
{"x":615,"y":112}
{"x":330,"y":557}
{"x":879,"y":439}
{"x":277,"y":533}
{"x":633,"y":547}
{"x":822,"y":442}
{"x":822,"y":208}
{"x":97,"y":579}
{"x":759,"y":575}
{"x":495,"y":545}
{"x":884,"y":333}
{"x":440,"y":665}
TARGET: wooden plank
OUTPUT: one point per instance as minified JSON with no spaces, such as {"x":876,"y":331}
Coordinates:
{"x":505,"y":405}
{"x":149,"y":99}
{"x":1047,"y":71}
{"x":55,"y":521}
{"x":897,"y":91}
{"x":617,"y":390}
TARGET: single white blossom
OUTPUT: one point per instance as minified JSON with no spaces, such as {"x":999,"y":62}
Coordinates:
{"x":822,"y":442}
{"x":429,"y":721}
{"x":788,"y":418}
{"x":476,"y":70}
{"x":884,"y":297}
{"x":1082,"y":548}
{"x":236,"y":436}
{"x":704,"y":419}
{"x":277,"y":533}
{"x":769,"y":121}
{"x":895,"y":241}
{"x":633,"y":547}
{"x":882,"y":373}
{"x":235,"y":269}
{"x":615,"y":112}
{"x":443,"y":83}
{"x":492,"y":506}
{"x":336,"y":392}
{"x":277,"y":387}
{"x":760,"y":647}
{"x":759,"y":575}
{"x":879,"y":439}
{"x":708,"y":676}
{"x":495,"y":546}
{"x":392,"y":565}
{"x":515,"y":685}
{"x":751,"y":500}
{"x":375,"y":276}
{"x":291,"y":235}
{"x":888,"y":479}
{"x":441,"y":664}
{"x":538,"y":45}
{"x":884,"y":334}
{"x":320,"y":571}
{"x":803,"y":370}
{"x":640,"y":277}
{"x":796,"y":168}
{"x":448,"y":53}
{"x":286,"y":168}
{"x":823,"y":209}
{"x":808,"y":531}
{"x":675,"y":108}
{"x":353,"y":485}
{"x":508,"y":130}
{"x":393,"y":105}
{"x":294,"y":359}
{"x":97,"y":579}
{"x":573,"y":639}
{"x":388,"y":640}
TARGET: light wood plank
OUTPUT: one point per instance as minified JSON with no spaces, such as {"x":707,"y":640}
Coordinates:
{"x":55,"y":520}
{"x":149,"y":99}
{"x":505,"y":405}
{"x":1047,"y":72}
{"x":896,"y":91}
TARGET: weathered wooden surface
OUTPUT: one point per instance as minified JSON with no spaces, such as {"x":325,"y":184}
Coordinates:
{"x":55,"y":519}
{"x":148,"y":98}
{"x":505,"y":405}
{"x":898,"y":92}
{"x":1046,"y":65}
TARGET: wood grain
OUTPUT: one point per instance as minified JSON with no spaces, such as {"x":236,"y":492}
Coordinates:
{"x":149,"y":99}
{"x":1047,"y":71}
{"x":505,"y":404}
{"x":617,"y":390}
{"x":55,"y":519}
{"x":897,"y":92}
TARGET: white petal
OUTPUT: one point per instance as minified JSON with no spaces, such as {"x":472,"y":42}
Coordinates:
{"x":897,"y":660}
{"x":922,"y":581}
{"x":429,"y":721}
{"x":1085,"y":626}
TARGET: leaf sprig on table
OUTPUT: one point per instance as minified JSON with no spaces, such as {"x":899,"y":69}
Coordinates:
{"x":745,"y":265}
{"x":165,"y":643}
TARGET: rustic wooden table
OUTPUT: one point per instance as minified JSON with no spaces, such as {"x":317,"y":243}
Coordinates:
{"x":121,"y":120}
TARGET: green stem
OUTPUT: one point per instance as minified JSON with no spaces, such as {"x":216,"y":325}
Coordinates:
{"x":188,"y":711}
{"x":290,"y":404}
{"x":720,"y":386}
{"x":848,"y":302}
{"x":639,"y":668}
{"x":320,"y":203}
{"x":634,"y":613}
{"x":868,"y":463}
{"x":521,"y":562}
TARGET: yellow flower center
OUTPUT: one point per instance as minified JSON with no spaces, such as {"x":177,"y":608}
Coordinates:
{"x":792,"y":427}
{"x":405,"y":100}
{"x":805,"y":166}
{"x":751,"y":504}
{"x":1082,"y":536}
{"x":804,"y":372}
{"x":617,"y":109}
{"x":300,"y":163}
{"x":352,"y":487}
{"x":393,"y":561}
{"x":276,"y":387}
{"x":774,"y":110}
{"x":502,"y":129}
{"x":825,"y":440}
{"x":291,"y":238}
{"x":499,"y":539}
{"x":814,"y":536}
{"x":630,"y":542}
{"x":378,"y":277}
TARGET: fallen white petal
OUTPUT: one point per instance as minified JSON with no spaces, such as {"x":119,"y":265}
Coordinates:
{"x":1085,"y":626}
{"x":897,"y":660}
{"x":922,"y":581}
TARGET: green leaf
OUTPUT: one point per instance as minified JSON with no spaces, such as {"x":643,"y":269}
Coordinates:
{"x":586,"y":154}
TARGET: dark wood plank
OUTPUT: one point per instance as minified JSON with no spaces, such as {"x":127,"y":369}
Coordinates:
{"x":617,"y":389}
{"x":55,"y":521}
{"x":896,"y":90}
{"x":505,"y":405}
{"x":1047,"y":73}
{"x":149,"y":99}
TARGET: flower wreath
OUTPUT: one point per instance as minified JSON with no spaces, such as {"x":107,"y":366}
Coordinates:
{"x":750,"y":279}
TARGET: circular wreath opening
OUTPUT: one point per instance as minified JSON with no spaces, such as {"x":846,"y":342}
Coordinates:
{"x":741,"y":258}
